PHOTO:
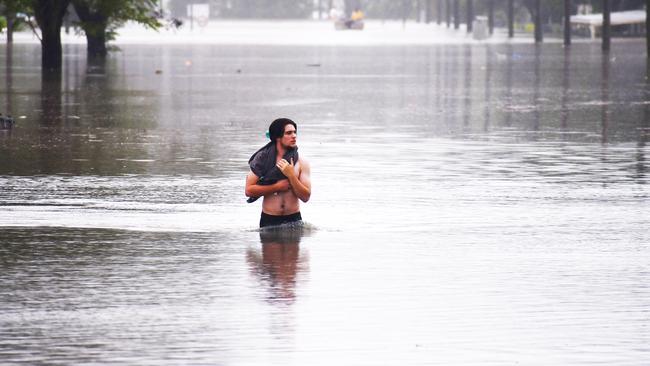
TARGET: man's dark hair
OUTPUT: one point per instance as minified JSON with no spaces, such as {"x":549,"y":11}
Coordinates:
{"x":276,"y":129}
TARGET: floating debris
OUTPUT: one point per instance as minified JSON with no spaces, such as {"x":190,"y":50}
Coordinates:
{"x":6,"y":122}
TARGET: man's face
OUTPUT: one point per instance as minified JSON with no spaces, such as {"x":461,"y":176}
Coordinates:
{"x":288,"y":139}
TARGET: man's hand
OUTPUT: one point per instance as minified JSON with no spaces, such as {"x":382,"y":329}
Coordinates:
{"x":286,"y":168}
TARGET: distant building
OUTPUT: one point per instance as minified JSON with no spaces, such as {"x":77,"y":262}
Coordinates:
{"x":624,"y":23}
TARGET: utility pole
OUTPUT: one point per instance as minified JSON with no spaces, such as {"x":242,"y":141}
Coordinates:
{"x":647,"y":28}
{"x":511,"y":18}
{"x":470,"y":15}
{"x":567,"y":22}
{"x":606,"y":25}
{"x":491,"y":16}
{"x":539,"y":32}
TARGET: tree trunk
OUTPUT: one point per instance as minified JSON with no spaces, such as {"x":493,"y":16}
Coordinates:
{"x":11,"y":22}
{"x":49,"y":16}
{"x":448,"y":10}
{"x":427,"y":11}
{"x":470,"y":16}
{"x":51,"y":106}
{"x":94,"y":25}
{"x":52,"y":50}
{"x":96,"y":45}
{"x":9,"y":62}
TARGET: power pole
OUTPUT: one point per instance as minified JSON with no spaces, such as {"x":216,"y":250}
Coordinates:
{"x":491,"y":16}
{"x":567,"y":22}
{"x":606,"y":25}
{"x":511,"y":18}
{"x":539,"y":34}
{"x":470,"y":15}
{"x":647,"y":28}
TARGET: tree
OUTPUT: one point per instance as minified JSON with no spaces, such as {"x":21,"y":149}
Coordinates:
{"x":100,"y":19}
{"x":10,"y":9}
{"x":49,"y":16}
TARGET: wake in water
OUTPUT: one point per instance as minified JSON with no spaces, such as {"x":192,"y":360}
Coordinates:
{"x":287,"y":232}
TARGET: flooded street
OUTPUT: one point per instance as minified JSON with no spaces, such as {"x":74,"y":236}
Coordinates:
{"x":472,"y":204}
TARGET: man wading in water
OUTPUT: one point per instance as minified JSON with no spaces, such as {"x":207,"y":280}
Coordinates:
{"x":279,"y":175}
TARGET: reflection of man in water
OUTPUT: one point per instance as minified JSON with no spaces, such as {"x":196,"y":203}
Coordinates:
{"x":279,"y":176}
{"x":279,"y":263}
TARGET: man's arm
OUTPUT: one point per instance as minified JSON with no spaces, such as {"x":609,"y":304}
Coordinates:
{"x":301,"y":186}
{"x":255,"y":190}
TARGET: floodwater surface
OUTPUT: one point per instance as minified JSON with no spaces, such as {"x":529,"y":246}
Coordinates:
{"x":472,"y":204}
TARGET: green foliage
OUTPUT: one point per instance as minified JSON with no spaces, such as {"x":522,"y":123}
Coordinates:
{"x":9,"y":10}
{"x":11,"y":7}
{"x":104,"y":17}
{"x":378,"y":9}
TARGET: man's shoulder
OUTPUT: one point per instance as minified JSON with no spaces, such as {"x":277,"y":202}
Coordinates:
{"x":303,"y":163}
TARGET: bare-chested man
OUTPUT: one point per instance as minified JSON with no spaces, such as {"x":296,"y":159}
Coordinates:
{"x":279,"y":175}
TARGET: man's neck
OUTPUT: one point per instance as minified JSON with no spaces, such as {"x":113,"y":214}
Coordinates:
{"x":281,"y":150}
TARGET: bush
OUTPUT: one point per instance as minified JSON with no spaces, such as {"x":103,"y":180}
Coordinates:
{"x":3,"y":23}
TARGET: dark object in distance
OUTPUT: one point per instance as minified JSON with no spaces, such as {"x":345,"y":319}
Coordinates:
{"x":348,"y":24}
{"x":6,"y":122}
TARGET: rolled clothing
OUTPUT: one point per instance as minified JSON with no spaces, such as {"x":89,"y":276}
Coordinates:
{"x":275,"y":220}
{"x":262,"y":164}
